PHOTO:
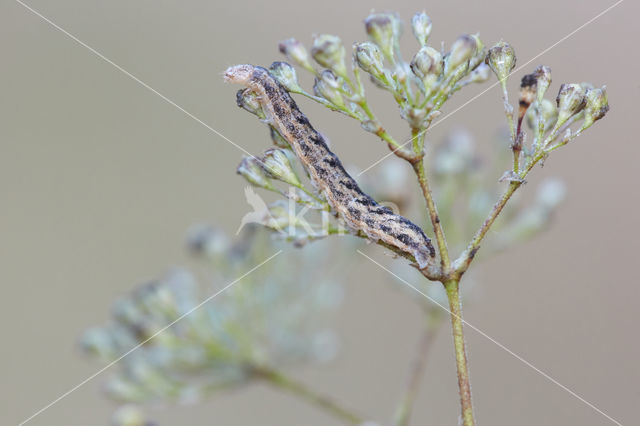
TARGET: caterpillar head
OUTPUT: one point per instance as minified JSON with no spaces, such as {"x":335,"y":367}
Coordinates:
{"x":240,"y":74}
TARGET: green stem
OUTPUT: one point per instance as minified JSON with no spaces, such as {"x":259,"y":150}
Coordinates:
{"x":433,"y":215}
{"x":453,"y":294}
{"x":298,"y":389}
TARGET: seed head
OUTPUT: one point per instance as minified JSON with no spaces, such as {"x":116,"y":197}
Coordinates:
{"x":384,"y":29}
{"x":421,"y":25}
{"x":286,"y":75}
{"x":369,"y":58}
{"x":428,"y":61}
{"x":462,"y":50}
{"x":277,"y":165}
{"x":254,"y":173}
{"x":570,"y":101}
{"x":548,"y":114}
{"x":328,"y":51}
{"x":327,"y":86}
{"x":248,"y":100}
{"x":502,"y":59}
{"x":596,"y":106}
{"x":543,"y":78}
{"x":296,"y":51}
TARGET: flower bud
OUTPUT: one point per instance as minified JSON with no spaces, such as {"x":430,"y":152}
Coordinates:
{"x":327,"y":86}
{"x":502,"y":59}
{"x":98,"y":342}
{"x":277,"y":139}
{"x":480,"y":54}
{"x":570,"y":101}
{"x":428,"y":61}
{"x":421,"y":24}
{"x":328,"y":51}
{"x":480,"y":74}
{"x":462,"y":50}
{"x":369,"y":58}
{"x":248,"y":100}
{"x":205,"y":240}
{"x":128,"y":415}
{"x":551,"y":193}
{"x":296,"y":51}
{"x":384,"y":29}
{"x":277,"y":165}
{"x":254,"y":173}
{"x":543,"y":77}
{"x":596,"y":106}
{"x":286,"y":75}
{"x":548,"y":113}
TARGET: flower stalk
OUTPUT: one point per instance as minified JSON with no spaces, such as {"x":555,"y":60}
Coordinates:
{"x":329,"y":405}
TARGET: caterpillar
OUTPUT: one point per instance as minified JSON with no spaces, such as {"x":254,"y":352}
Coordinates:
{"x":359,"y":211}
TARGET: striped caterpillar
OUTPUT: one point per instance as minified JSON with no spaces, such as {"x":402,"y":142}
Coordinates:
{"x":359,"y":211}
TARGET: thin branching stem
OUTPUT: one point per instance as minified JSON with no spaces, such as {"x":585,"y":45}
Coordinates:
{"x":418,"y":167}
{"x":283,"y":382}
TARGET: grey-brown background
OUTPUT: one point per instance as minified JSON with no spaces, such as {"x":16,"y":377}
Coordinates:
{"x":100,"y":177}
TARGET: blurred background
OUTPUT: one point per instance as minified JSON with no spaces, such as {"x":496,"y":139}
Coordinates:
{"x":100,"y":178}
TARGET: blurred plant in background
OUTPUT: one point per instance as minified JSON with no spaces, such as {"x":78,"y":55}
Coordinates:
{"x":277,"y":317}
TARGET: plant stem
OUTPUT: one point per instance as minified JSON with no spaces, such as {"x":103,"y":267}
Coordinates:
{"x":418,"y":167}
{"x":474,"y":245}
{"x":283,"y":382}
{"x":403,"y":412}
{"x":453,"y":294}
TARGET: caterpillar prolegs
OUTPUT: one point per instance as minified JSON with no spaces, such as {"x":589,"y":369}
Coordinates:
{"x":357,"y":209}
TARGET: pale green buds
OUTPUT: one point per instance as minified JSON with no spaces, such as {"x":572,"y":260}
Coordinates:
{"x":296,"y":51}
{"x":248,"y":100}
{"x":277,"y":139}
{"x":479,"y":75}
{"x":427,"y":62}
{"x":462,"y":50}
{"x":596,"y":106}
{"x":277,"y":165}
{"x":286,"y":75}
{"x":205,"y":240}
{"x":479,"y":55}
{"x":543,"y":77}
{"x":128,"y":415}
{"x":551,"y":193}
{"x":384,"y":29}
{"x":369,"y":59}
{"x":329,"y":52}
{"x":421,"y":24}
{"x":501,"y":58}
{"x":254,"y":173}
{"x":327,"y":86}
{"x":546,"y":111}
{"x":570,"y":101}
